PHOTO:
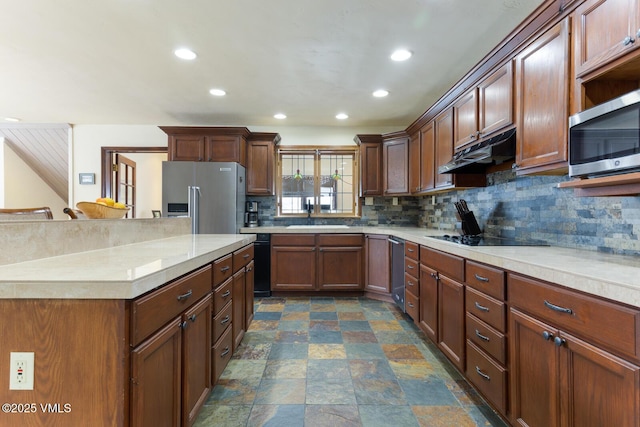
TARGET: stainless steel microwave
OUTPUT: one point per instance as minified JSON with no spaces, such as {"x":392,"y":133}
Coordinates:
{"x":605,"y":139}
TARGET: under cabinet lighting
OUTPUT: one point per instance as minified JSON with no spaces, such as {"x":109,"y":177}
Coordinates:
{"x":186,"y":54}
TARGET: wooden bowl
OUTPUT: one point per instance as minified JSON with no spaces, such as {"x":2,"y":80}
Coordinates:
{"x":94,"y":210}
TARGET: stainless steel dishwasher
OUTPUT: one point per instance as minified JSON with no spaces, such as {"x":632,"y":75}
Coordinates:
{"x":397,"y":271}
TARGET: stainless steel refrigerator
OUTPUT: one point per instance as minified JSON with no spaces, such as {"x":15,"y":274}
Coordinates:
{"x":211,"y":193}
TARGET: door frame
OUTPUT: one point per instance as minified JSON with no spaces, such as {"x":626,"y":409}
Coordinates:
{"x":107,"y":155}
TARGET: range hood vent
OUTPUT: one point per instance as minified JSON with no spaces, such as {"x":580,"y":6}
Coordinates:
{"x":477,"y":157}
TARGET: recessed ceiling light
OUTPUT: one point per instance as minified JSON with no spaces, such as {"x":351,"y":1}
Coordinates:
{"x":380,"y":93}
{"x":217,"y":92}
{"x":183,"y":53}
{"x":280,"y":116}
{"x":12,"y":119}
{"x":401,"y":55}
{"x":342,"y":116}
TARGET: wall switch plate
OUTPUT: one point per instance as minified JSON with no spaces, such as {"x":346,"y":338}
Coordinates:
{"x":395,"y":201}
{"x":21,"y":370}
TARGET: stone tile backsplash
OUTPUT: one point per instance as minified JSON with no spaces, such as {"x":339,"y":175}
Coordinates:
{"x":518,"y":207}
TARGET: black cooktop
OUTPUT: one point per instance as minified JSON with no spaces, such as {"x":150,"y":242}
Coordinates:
{"x":480,"y":240}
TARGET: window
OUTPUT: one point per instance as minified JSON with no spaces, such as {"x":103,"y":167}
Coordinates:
{"x":322,"y":181}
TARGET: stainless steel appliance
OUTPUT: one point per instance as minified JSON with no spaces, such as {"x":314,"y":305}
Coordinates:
{"x":251,"y":214}
{"x":478,"y":156}
{"x":397,"y":272}
{"x":262,"y":260}
{"x":605,"y":139}
{"x":211,"y":193}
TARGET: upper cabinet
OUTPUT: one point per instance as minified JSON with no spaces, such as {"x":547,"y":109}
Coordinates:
{"x":604,"y":30}
{"x":542,"y":106}
{"x":443,"y":146}
{"x":421,"y":165}
{"x":485,"y":109}
{"x":261,"y":163}
{"x":395,"y":160}
{"x":370,"y":164}
{"x":207,"y":144}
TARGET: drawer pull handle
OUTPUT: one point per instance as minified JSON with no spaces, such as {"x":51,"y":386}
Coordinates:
{"x":245,"y":256}
{"x":482,"y":337}
{"x":481,"y":307}
{"x":409,"y":283}
{"x":410,"y":267}
{"x":482,"y":279}
{"x":185,"y":296}
{"x":482,"y":374}
{"x":225,"y":269}
{"x":226,"y":294}
{"x":192,"y":318}
{"x":557,"y":308}
{"x":225,"y":320}
{"x":410,"y":305}
{"x":409,"y":249}
{"x":225,"y":352}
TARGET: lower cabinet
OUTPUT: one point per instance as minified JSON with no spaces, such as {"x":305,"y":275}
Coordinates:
{"x":237,"y":301}
{"x":322,"y":262}
{"x":248,"y":294}
{"x":451,"y":331}
{"x":378,"y":264}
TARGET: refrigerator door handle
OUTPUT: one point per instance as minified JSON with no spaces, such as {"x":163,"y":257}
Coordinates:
{"x":194,"y":208}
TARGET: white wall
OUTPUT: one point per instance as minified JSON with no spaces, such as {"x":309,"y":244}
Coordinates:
{"x":17,"y":177}
{"x":88,"y":139}
{"x":148,"y":182}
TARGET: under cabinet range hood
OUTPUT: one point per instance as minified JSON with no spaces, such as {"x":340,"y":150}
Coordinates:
{"x":477,"y":157}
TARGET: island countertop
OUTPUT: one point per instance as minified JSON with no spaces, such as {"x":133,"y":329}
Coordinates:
{"x":118,"y":272}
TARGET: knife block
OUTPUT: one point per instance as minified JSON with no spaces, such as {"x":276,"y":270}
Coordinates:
{"x":467,"y":224}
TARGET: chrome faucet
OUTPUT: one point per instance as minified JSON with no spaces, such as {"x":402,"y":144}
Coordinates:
{"x":309,"y":205}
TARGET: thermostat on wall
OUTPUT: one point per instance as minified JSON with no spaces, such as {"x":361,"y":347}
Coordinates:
{"x":87,"y":178}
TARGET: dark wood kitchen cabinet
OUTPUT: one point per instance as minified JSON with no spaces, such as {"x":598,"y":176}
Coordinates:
{"x":207,"y":144}
{"x":261,"y":163}
{"x":421,"y":163}
{"x":242,"y":292}
{"x":574,"y":358}
{"x":542,"y":102}
{"x":340,"y":262}
{"x":370,"y":164}
{"x":293,"y":262}
{"x":412,"y":280}
{"x":395,"y":160}
{"x":378,"y":264}
{"x":442,"y":309}
{"x":443,"y":147}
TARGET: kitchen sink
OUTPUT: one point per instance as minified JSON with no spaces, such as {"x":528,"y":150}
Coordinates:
{"x":318,"y":226}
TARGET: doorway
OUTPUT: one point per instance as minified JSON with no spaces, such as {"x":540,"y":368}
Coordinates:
{"x":119,"y":179}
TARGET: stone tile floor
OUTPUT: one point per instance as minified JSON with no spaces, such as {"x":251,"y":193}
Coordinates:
{"x":318,"y":361}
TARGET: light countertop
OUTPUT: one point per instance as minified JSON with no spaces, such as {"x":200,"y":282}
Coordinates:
{"x":119,"y":272}
{"x":616,"y":277}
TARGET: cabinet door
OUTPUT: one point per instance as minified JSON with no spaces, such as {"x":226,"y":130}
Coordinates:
{"x":248,"y":295}
{"x":293,"y":268}
{"x":260,"y":165}
{"x":535,"y":372}
{"x":156,"y":379}
{"x":196,"y":366}
{"x":427,"y":151}
{"x":396,"y":166}
{"x":451,"y":332}
{"x":238,"y":304}
{"x":603,"y":31}
{"x":443,"y":146}
{"x":495,"y":101}
{"x":340,"y":268}
{"x":542,"y":81}
{"x":600,"y":389}
{"x":223,"y":148}
{"x":189,"y":148}
{"x":378,"y":265}
{"x":371,"y":169}
{"x":429,"y":302}
{"x":465,"y":119}
{"x":414,"y":163}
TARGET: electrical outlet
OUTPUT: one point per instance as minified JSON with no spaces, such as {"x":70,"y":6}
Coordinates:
{"x":368,"y":201}
{"x":394,"y":201}
{"x":21,"y":371}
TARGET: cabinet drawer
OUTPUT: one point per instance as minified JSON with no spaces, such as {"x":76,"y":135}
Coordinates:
{"x":412,"y":306}
{"x":241,"y":257}
{"x":221,"y":354}
{"x":412,"y":284}
{"x":411,"y":250}
{"x":150,"y":312}
{"x":221,"y":321}
{"x":486,"y":279}
{"x":222,"y":269}
{"x":221,"y":296}
{"x":489,"y":377}
{"x":488,"y":339}
{"x":293,"y":240}
{"x":340,"y":239}
{"x":446,"y":264}
{"x":411,"y":267}
{"x":486,"y":309}
{"x":614,"y":326}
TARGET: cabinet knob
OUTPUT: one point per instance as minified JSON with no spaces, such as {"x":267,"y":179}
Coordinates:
{"x":183,"y":325}
{"x":434,"y":275}
{"x":547,"y":335}
{"x":192,"y":318}
{"x":628,"y":40}
{"x":559,"y":342}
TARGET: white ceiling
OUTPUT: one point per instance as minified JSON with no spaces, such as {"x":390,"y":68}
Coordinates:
{"x":111,"y":61}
